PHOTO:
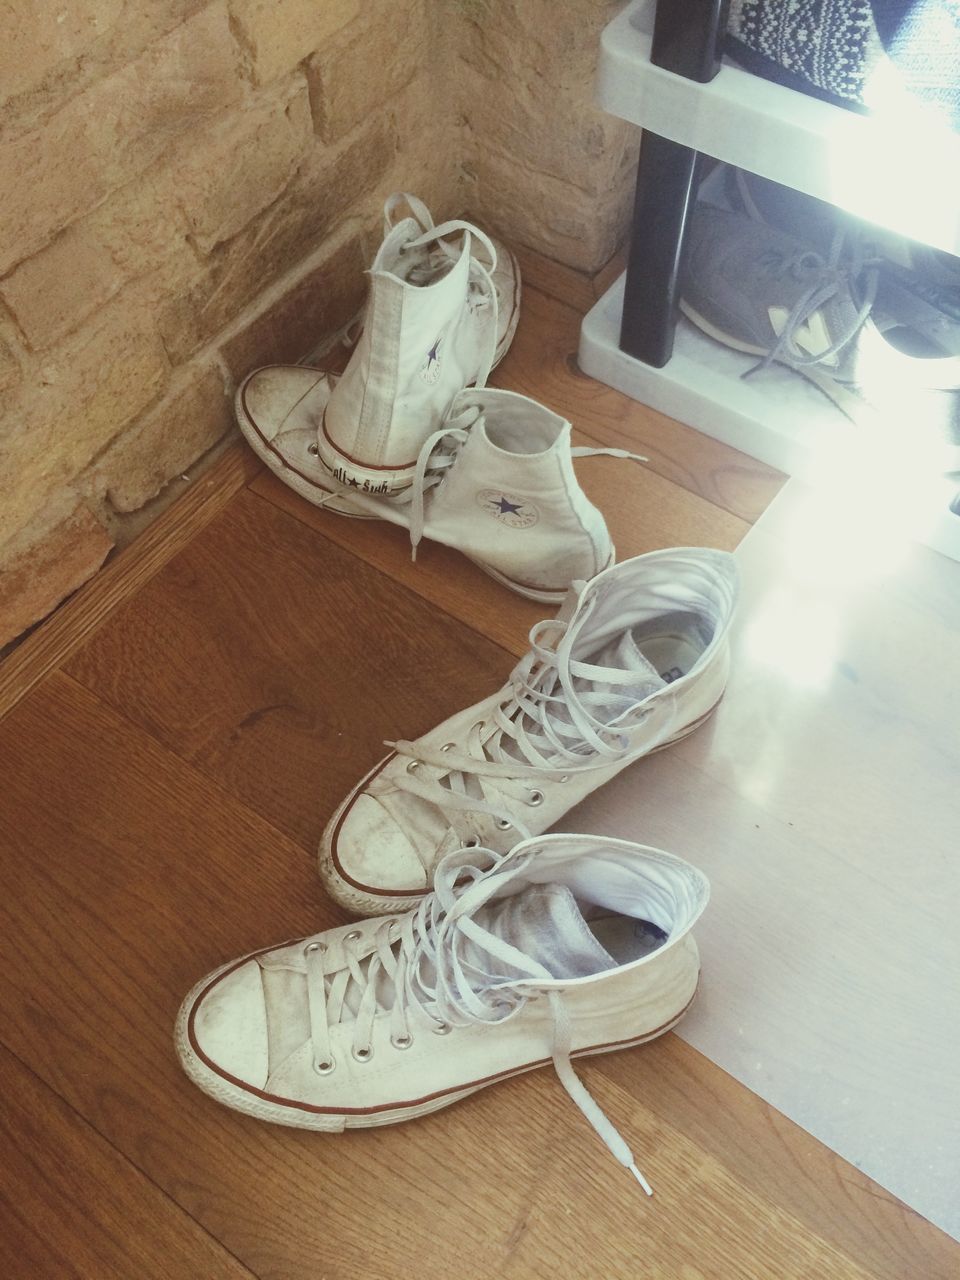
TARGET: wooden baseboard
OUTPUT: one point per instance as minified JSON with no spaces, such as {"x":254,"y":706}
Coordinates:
{"x":53,"y":642}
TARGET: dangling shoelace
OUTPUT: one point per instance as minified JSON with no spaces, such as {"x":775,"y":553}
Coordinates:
{"x":440,"y":451}
{"x":426,"y":961}
{"x":542,"y":723}
{"x":832,"y":280}
{"x":437,"y":455}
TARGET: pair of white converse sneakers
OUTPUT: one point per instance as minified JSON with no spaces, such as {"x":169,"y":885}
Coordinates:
{"x":409,"y":433}
{"x":490,"y":948}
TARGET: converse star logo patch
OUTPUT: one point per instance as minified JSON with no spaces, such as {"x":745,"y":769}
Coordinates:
{"x":430,"y":369}
{"x":515,"y":512}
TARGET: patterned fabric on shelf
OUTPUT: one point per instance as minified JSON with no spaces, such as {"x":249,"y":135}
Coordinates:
{"x":862,"y":54}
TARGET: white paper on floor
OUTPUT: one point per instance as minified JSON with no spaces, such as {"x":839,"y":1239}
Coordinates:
{"x":823,"y":801}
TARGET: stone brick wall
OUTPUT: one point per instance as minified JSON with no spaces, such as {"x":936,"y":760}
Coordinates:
{"x":191,"y":187}
{"x":543,"y":164}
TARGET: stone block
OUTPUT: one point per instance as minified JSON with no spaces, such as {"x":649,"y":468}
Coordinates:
{"x":546,"y":122}
{"x":132,"y":234}
{"x":80,"y":397}
{"x":62,"y":559}
{"x":560,"y":222}
{"x":314,"y":206}
{"x":54,"y":33}
{"x":50,"y":293}
{"x":358,"y":71}
{"x":423,"y":135}
{"x":240,"y":165}
{"x":113,"y":131}
{"x":192,"y":416}
{"x":9,"y":368}
{"x":556,"y":134}
{"x":313,"y":306}
{"x":537,"y":44}
{"x":278,"y":34}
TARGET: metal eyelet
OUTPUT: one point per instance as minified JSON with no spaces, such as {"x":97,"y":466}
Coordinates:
{"x":413,"y":766}
{"x":362,"y":1055}
{"x":448,"y":746}
{"x":503,"y":825}
{"x":441,"y":1029}
{"x":313,"y":449}
{"x":564,"y":777}
{"x":401,"y":1042}
{"x":352,"y":936}
{"x":313,"y":947}
{"x":324,"y":1068}
{"x":471,"y":842}
{"x":536,"y":797}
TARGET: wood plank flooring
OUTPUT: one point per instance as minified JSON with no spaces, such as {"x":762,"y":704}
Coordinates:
{"x":173,"y":741}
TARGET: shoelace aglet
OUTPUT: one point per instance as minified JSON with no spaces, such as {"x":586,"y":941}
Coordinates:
{"x":641,"y":1179}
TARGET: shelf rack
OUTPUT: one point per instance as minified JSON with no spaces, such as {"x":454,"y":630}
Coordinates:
{"x":899,"y":171}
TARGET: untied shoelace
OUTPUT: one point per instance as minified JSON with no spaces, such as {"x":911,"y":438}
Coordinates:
{"x":440,"y":451}
{"x":832,"y":279}
{"x":422,"y":957}
{"x":437,"y":455}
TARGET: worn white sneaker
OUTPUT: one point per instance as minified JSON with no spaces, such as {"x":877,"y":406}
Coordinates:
{"x":441,"y":312}
{"x":496,"y":482}
{"x":570,"y":945}
{"x":636,"y":660}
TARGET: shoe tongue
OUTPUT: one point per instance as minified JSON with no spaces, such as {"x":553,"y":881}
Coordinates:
{"x":622,"y":653}
{"x":545,"y":923}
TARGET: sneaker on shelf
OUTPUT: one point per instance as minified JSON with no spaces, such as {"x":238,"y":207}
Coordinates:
{"x":441,"y":312}
{"x":917,"y":303}
{"x":759,"y":290}
{"x":636,"y":659}
{"x":496,"y":482}
{"x":568,"y":946}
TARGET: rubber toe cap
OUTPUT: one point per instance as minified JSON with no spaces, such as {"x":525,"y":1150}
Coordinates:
{"x":229,"y":1025}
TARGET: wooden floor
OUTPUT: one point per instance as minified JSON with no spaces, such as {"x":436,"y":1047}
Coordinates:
{"x":172,"y":743}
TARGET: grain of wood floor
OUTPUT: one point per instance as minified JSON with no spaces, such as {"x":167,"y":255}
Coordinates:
{"x":172,"y":742}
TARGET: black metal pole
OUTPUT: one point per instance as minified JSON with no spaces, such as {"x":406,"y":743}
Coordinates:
{"x":688,"y":37}
{"x":687,"y":40}
{"x":667,"y":181}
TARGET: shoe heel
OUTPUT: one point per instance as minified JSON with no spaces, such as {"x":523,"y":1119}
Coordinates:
{"x":379,"y":482}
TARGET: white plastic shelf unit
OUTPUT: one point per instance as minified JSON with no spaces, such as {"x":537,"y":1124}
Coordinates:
{"x":892,"y":172}
{"x":899,"y":170}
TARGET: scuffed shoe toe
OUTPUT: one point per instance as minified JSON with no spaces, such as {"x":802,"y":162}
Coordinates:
{"x":227,"y":1026}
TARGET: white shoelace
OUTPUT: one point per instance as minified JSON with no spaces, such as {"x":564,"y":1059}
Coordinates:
{"x":440,"y":451}
{"x":437,"y":455}
{"x":426,"y":960}
{"x":544,"y":723}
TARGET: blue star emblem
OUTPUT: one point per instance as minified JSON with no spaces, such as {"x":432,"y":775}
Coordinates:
{"x":508,"y":508}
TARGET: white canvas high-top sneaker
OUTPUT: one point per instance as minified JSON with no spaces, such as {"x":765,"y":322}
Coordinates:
{"x":441,"y":312}
{"x":636,"y":659}
{"x":496,"y":482}
{"x":570,"y":945}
